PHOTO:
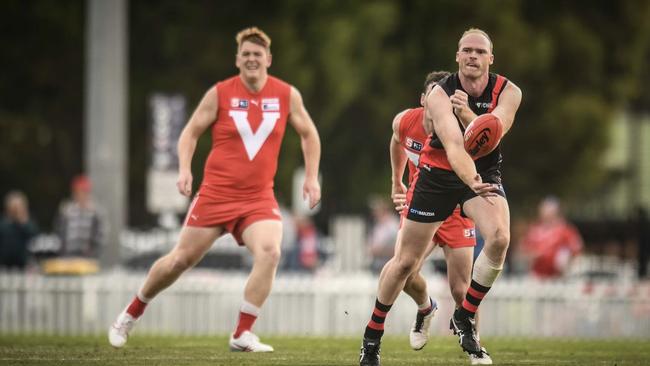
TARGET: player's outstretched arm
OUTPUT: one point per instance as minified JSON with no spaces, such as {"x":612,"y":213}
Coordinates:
{"x":204,"y":115}
{"x":447,"y":130}
{"x":310,"y":144}
{"x":398,"y":160}
{"x":508,"y":105}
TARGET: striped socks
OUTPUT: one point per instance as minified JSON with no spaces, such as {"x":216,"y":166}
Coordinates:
{"x":375,"y":327}
{"x":475,"y":293}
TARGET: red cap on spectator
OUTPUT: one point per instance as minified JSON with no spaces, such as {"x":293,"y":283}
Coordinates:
{"x":81,"y":183}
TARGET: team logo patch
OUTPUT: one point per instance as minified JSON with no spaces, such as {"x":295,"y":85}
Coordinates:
{"x":271,"y":104}
{"x":414,"y":145}
{"x":469,"y":233}
{"x":239,"y":103}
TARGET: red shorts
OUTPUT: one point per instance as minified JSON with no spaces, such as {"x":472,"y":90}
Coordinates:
{"x":207,"y":210}
{"x":455,"y":232}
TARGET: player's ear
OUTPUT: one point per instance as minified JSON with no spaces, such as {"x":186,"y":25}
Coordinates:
{"x":491,"y":58}
{"x":423,"y":97}
{"x":457,"y":55}
{"x":269,"y":60}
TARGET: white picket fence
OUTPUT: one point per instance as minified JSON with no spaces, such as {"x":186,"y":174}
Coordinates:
{"x":206,"y":303}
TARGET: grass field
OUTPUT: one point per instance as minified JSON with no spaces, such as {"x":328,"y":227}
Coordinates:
{"x":213,"y":351}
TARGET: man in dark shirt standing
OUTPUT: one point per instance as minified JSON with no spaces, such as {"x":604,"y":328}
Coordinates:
{"x":16,"y":231}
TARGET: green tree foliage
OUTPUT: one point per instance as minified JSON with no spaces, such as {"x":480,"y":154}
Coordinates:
{"x":41,"y":94}
{"x":357,"y":64}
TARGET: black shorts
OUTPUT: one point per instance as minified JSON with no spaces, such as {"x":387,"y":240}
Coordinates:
{"x":436,"y":192}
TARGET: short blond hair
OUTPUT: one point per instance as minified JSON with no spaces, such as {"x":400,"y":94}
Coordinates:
{"x":478,"y":31}
{"x":254,"y":35}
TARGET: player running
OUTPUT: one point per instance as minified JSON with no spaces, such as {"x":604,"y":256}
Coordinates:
{"x":448,"y":177}
{"x":247,"y":116}
{"x":456,"y":235}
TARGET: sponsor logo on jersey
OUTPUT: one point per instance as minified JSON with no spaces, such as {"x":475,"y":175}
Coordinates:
{"x":270,"y":104}
{"x":414,"y":145}
{"x":421,"y":213}
{"x":239,"y":103}
{"x":483,"y":105}
{"x":469,"y":233}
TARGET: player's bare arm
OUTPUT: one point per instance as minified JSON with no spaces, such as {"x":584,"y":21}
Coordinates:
{"x":204,"y":115}
{"x":398,"y":161}
{"x":310,"y":144}
{"x":509,"y":102}
{"x":446,"y":128}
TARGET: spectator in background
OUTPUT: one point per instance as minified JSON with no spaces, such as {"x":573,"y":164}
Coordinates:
{"x":305,"y":254}
{"x":16,"y":231}
{"x":551,"y":242}
{"x":383,"y":233}
{"x":79,"y":223}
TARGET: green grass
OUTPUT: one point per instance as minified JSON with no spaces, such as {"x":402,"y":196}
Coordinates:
{"x":213,"y":351}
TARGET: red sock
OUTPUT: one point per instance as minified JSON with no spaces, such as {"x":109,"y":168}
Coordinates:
{"x":136,"y":308}
{"x":245,"y":322}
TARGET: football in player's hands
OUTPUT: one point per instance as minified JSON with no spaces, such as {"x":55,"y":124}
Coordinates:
{"x":483,"y":135}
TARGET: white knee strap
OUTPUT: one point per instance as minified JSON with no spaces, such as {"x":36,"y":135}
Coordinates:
{"x":486,"y":271}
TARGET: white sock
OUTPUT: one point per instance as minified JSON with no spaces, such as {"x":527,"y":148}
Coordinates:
{"x":248,"y":308}
{"x":143,"y":298}
{"x":486,"y":270}
{"x":425,"y":304}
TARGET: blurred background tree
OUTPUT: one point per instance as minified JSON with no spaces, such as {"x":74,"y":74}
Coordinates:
{"x":357,"y":64}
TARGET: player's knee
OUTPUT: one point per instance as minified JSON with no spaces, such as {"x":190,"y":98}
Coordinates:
{"x":405,"y":266}
{"x":179,"y":263}
{"x":270,"y":253}
{"x":500,"y":239}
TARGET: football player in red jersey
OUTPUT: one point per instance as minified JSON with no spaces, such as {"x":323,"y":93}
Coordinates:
{"x":247,"y":116}
{"x":456,"y":236}
{"x":448,"y":177}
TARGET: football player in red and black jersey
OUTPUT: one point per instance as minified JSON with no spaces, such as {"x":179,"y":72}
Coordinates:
{"x":449,"y":177}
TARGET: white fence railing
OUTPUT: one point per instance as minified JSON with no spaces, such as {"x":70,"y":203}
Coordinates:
{"x":206,"y":302}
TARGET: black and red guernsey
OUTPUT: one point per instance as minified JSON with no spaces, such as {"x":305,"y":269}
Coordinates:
{"x":434,"y":154}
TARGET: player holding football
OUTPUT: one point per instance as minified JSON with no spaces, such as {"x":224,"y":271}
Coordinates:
{"x":456,"y":236}
{"x":447,"y":177}
{"x":247,"y":116}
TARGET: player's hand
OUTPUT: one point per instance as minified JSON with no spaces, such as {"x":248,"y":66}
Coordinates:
{"x":398,"y":195}
{"x":459,"y":100}
{"x":485,"y":190}
{"x":184,"y":183}
{"x":311,"y":191}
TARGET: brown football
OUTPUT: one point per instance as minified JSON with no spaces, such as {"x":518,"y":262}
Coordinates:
{"x":483,"y":135}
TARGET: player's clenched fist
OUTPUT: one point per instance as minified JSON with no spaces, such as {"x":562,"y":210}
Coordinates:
{"x":184,"y":183}
{"x":311,"y":190}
